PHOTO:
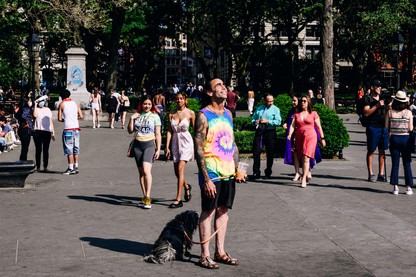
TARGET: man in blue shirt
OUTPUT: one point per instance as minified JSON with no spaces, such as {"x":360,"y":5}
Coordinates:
{"x":266,"y":118}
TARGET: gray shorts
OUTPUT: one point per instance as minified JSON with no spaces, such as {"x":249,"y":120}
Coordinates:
{"x":143,"y":151}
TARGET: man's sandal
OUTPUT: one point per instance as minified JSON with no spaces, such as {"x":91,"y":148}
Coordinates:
{"x":225,"y":259}
{"x":207,"y":262}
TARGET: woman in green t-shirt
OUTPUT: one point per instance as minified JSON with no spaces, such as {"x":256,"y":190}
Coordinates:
{"x":146,"y":125}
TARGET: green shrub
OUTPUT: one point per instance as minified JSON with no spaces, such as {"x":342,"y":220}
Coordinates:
{"x":243,"y":123}
{"x":284,"y":103}
{"x":336,"y":135}
{"x":193,"y":105}
{"x":244,"y":141}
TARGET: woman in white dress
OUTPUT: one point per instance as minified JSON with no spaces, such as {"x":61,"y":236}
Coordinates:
{"x":181,"y":142}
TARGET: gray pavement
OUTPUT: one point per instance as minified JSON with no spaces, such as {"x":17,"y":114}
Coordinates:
{"x":88,"y":224}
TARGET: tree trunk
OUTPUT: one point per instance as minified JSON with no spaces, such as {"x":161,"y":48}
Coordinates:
{"x":327,"y":54}
{"x":118,"y":18}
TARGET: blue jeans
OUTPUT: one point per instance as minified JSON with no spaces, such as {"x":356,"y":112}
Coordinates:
{"x":2,"y":143}
{"x":399,"y":146}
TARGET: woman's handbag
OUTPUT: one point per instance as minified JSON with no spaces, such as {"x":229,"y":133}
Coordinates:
{"x":130,"y":151}
{"x":10,"y":138}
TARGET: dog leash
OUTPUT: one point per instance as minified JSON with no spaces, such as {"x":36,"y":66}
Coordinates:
{"x":208,"y":239}
{"x":222,"y":225}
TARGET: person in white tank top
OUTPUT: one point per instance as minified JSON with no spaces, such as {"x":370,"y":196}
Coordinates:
{"x":69,"y":112}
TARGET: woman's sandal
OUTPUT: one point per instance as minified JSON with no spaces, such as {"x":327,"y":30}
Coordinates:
{"x":297,"y":177}
{"x":226,"y":259}
{"x":188,"y":196}
{"x":207,"y":262}
{"x":177,"y":205}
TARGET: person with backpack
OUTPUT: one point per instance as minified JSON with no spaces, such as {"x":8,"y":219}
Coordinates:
{"x":374,"y":112}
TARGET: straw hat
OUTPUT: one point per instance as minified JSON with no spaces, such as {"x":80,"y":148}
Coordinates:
{"x":401,"y":96}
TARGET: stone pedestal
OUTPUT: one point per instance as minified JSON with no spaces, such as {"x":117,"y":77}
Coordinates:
{"x":13,"y":174}
{"x":76,"y":77}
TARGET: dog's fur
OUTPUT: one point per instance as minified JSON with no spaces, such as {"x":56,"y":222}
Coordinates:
{"x":172,"y":243}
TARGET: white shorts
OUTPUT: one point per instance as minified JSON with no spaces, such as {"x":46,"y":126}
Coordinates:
{"x":95,"y":106}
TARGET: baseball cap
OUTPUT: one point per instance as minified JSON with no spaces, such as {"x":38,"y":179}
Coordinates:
{"x":376,"y":83}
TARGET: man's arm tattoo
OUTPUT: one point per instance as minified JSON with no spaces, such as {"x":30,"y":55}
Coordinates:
{"x":201,"y":127}
{"x":236,"y":155}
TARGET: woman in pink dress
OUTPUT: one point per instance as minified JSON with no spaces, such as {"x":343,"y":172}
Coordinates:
{"x":180,"y":139}
{"x":304,"y":123}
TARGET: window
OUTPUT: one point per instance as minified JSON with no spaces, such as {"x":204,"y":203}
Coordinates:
{"x":312,"y":31}
{"x":312,"y":52}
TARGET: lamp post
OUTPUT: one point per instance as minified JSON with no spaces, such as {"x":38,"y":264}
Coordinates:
{"x":33,"y":46}
{"x":397,"y":48}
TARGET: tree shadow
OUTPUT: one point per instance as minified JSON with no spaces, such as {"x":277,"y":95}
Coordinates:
{"x":357,"y":143}
{"x":119,"y":245}
{"x":357,"y":132}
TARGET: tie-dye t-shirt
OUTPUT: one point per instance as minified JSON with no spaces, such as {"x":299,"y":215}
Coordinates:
{"x":219,"y":145}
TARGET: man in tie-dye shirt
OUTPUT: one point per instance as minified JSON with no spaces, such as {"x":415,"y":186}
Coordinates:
{"x":217,"y":158}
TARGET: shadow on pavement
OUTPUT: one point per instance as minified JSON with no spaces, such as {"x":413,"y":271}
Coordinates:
{"x":349,"y":188}
{"x":119,"y":245}
{"x":119,"y":200}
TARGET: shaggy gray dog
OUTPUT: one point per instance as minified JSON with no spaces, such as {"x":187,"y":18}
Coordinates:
{"x":172,"y":242}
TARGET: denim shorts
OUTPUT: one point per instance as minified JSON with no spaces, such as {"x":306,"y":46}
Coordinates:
{"x":70,"y":140}
{"x":376,"y":138}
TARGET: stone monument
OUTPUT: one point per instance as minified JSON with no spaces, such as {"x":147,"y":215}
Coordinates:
{"x":76,"y":77}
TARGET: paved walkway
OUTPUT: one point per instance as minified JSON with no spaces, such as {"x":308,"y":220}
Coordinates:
{"x":88,"y":224}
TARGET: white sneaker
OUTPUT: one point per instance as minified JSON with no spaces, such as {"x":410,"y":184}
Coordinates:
{"x":409,"y":191}
{"x":93,"y":127}
{"x":98,"y":126}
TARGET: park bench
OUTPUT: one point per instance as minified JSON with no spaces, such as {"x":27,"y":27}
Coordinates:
{"x":14,"y":173}
{"x":345,"y":103}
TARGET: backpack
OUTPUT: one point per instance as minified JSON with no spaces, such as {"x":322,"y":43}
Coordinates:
{"x":360,"y":104}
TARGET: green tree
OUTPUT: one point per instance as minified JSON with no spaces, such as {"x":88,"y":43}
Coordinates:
{"x":363,"y":31}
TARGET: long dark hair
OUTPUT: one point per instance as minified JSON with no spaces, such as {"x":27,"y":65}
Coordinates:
{"x":184,"y":95}
{"x":310,"y":105}
{"x":144,"y":98}
{"x":399,"y":106}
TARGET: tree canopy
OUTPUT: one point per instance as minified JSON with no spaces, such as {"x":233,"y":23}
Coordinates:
{"x":243,"y":37}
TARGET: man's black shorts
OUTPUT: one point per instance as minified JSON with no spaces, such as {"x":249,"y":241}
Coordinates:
{"x":224,"y":197}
